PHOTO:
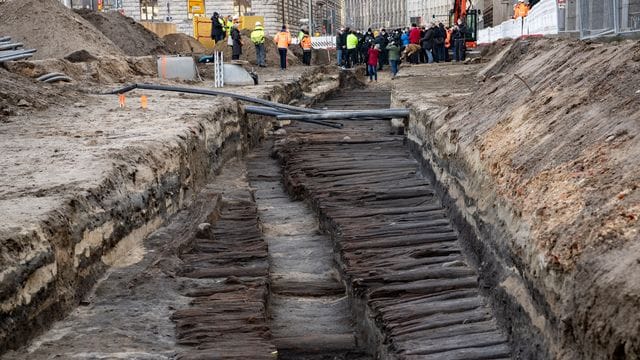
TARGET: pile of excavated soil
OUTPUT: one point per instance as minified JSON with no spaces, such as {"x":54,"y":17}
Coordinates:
{"x":19,"y":93}
{"x":104,"y":70}
{"x":183,"y":44}
{"x":51,"y":28}
{"x":249,"y":51}
{"x":131,"y":37}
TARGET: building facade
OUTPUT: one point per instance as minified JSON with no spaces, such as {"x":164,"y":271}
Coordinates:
{"x":363,"y":14}
{"x":327,"y":14}
{"x":426,"y":11}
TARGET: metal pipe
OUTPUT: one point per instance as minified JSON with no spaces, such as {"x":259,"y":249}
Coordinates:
{"x":10,"y":46}
{"x":5,"y":38}
{"x":215,"y":93}
{"x":16,"y":57}
{"x":363,"y":115}
{"x":265,"y":111}
{"x":266,"y":108}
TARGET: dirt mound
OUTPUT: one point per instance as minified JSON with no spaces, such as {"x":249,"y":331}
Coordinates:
{"x":19,"y":93}
{"x":103,"y":70}
{"x":249,"y":51}
{"x":53,"y":29}
{"x":131,"y":37}
{"x":183,"y":44}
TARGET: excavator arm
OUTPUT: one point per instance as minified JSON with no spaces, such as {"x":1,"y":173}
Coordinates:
{"x":459,"y":10}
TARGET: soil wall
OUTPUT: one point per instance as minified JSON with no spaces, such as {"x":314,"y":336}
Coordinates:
{"x":538,"y":160}
{"x":49,"y":265}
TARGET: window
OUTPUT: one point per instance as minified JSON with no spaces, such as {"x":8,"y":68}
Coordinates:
{"x":148,"y":9}
{"x":241,"y":7}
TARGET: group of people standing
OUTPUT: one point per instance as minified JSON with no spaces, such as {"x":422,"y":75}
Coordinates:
{"x":426,"y":44}
{"x":228,"y":28}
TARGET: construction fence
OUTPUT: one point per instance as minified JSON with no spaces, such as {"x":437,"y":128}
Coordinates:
{"x":542,"y":20}
{"x":584,"y":18}
{"x":608,"y":17}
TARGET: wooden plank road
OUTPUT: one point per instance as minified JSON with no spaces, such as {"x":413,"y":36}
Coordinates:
{"x":228,"y":263}
{"x":398,"y":249}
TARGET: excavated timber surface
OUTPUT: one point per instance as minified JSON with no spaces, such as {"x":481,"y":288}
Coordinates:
{"x":397,"y":247}
{"x":227,"y":319}
{"x":310,"y":317}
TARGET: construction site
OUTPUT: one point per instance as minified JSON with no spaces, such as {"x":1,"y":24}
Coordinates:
{"x":157,"y":202}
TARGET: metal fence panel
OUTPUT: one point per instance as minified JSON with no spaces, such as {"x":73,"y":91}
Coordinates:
{"x":596,"y":17}
{"x":628,"y":19}
{"x":607,"y":17}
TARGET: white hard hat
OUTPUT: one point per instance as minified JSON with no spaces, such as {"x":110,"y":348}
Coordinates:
{"x":258,"y":23}
{"x":520,"y":0}
{"x":236,"y":17}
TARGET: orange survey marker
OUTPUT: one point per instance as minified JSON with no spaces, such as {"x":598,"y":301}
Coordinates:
{"x":121,"y":100}
{"x":143,"y":101}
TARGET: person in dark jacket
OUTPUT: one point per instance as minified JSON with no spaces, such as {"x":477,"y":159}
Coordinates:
{"x":383,"y":41}
{"x":340,"y":45}
{"x":237,"y":42}
{"x":458,"y":37}
{"x":438,"y":43}
{"x":427,"y":43}
{"x":344,"y":35}
{"x":217,"y":27}
{"x":360,"y":36}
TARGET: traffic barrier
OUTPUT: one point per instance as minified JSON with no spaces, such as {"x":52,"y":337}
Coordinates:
{"x":320,"y":42}
{"x":541,"y":20}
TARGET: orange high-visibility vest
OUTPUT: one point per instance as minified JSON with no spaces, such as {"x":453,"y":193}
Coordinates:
{"x":520,"y":10}
{"x":283,"y":39}
{"x":447,"y":40}
{"x":306,"y":42}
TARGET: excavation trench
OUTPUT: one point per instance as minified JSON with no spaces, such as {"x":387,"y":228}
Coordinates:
{"x":412,"y":292}
{"x":322,"y":243}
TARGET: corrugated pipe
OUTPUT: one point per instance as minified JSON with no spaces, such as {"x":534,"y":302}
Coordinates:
{"x":58,"y":78}
{"x":46,"y":76}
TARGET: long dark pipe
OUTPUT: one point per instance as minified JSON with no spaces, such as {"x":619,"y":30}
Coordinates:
{"x":365,"y":114}
{"x":215,"y":93}
{"x":265,"y":111}
{"x":252,"y":108}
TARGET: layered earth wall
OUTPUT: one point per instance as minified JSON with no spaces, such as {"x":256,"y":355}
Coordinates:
{"x":538,"y":158}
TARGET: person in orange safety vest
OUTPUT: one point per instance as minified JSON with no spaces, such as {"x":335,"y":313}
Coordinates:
{"x":283,"y":40}
{"x":306,"y":48}
{"x":520,"y":10}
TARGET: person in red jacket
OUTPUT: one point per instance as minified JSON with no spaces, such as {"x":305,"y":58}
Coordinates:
{"x":372,"y":62}
{"x":414,"y":38}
